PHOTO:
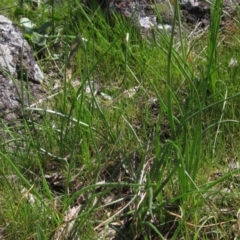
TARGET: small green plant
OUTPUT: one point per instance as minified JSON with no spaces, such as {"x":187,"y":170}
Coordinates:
{"x":212,"y":65}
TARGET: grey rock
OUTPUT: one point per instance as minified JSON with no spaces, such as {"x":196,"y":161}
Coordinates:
{"x":15,"y":53}
{"x":20,"y":76}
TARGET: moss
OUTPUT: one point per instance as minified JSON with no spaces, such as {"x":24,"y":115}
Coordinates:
{"x":164,"y":13}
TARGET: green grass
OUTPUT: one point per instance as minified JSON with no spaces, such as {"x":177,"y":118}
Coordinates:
{"x":148,"y":151}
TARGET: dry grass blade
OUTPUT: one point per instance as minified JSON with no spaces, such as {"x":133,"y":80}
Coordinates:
{"x":72,"y":54}
{"x":65,"y":230}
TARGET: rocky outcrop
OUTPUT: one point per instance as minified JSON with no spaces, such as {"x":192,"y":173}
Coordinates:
{"x":20,"y":76}
{"x":143,"y":12}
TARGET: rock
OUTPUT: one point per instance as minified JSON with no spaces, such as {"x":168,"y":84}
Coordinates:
{"x":143,"y":13}
{"x":16,"y":54}
{"x":127,"y":8}
{"x":189,"y":4}
{"x":20,"y":76}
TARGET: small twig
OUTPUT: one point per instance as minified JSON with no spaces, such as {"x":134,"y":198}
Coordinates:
{"x":51,"y":96}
